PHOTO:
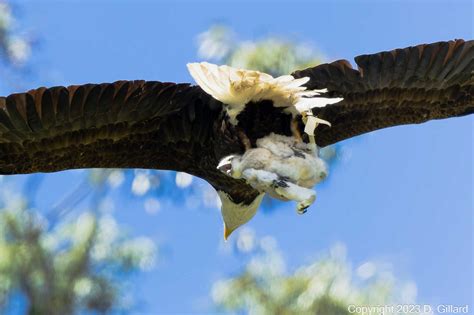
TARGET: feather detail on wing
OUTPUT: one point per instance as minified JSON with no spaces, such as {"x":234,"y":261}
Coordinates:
{"x":122,"y":124}
{"x":402,"y":86}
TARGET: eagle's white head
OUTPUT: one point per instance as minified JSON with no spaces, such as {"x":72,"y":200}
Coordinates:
{"x":235,"y":215}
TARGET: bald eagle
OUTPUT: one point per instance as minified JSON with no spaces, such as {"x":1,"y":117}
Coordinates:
{"x":245,"y":132}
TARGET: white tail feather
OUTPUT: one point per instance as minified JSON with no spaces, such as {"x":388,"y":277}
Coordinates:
{"x":237,"y":87}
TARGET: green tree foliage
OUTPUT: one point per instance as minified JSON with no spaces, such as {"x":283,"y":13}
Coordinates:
{"x":272,"y":55}
{"x":328,"y":286}
{"x":77,"y":264}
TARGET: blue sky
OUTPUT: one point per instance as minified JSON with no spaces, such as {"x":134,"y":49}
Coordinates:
{"x":401,"y":195}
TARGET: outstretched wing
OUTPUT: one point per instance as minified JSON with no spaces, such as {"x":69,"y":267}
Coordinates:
{"x":126,"y":124}
{"x":402,"y":86}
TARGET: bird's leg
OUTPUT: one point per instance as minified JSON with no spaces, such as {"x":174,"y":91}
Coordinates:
{"x":295,"y":131}
{"x":260,"y":179}
{"x":244,"y":139}
{"x":311,"y":122}
{"x":304,"y":196}
{"x":280,"y":187}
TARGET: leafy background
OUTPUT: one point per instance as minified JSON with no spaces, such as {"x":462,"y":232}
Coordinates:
{"x":393,"y":222}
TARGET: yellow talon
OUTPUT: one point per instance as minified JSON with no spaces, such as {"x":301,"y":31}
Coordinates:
{"x":311,"y":123}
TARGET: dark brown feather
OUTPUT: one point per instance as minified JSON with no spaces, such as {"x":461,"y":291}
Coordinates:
{"x":403,"y":86}
{"x":155,"y":125}
{"x":53,"y":129}
{"x":126,"y":124}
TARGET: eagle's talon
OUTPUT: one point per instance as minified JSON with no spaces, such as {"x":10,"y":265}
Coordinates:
{"x":225,"y":165}
{"x":302,"y":211}
{"x":303,"y":205}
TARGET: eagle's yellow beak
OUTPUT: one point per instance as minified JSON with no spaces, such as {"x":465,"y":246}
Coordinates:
{"x":227,"y":232}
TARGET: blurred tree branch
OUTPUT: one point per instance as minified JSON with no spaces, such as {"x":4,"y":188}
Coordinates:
{"x":325,"y":287}
{"x":78,"y":265}
{"x":272,"y":55}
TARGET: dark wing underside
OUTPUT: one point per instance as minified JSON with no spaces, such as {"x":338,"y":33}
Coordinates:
{"x":123,"y":124}
{"x":402,"y":86}
{"x":126,"y":124}
{"x":155,"y":125}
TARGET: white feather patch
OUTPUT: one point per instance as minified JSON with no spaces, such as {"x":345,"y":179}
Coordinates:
{"x":235,"y":215}
{"x":237,"y":87}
